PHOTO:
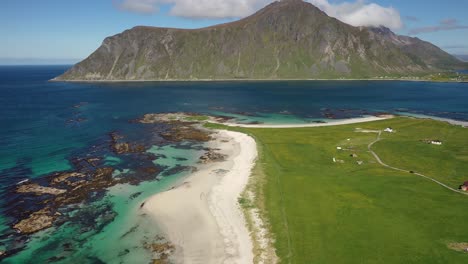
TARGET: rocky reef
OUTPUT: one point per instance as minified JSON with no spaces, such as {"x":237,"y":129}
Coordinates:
{"x":67,"y":196}
{"x":37,"y":221}
{"x":39,"y":190}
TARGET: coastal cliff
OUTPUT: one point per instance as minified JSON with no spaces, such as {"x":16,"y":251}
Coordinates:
{"x":289,"y":39}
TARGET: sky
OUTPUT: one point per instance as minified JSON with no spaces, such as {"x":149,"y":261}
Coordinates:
{"x":65,"y":31}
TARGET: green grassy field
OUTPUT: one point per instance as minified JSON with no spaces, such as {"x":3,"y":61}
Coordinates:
{"x":326,"y":212}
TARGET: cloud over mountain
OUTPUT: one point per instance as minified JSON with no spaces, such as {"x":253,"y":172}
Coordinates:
{"x":361,"y":13}
{"x":356,"y":13}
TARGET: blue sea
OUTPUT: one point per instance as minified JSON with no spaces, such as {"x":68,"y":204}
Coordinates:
{"x":47,"y":126}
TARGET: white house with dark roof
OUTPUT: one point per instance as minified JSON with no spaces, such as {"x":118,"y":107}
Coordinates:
{"x":389,"y":130}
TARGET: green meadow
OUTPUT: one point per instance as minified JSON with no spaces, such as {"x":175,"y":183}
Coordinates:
{"x":321,"y":211}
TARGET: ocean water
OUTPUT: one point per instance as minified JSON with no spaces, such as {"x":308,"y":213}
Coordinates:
{"x":44,"y":125}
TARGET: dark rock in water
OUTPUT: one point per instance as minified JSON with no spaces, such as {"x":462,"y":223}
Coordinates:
{"x":39,"y":190}
{"x":37,"y":221}
{"x":93,"y":161}
{"x":124,"y":252}
{"x":66,"y":176}
{"x":150,"y":156}
{"x":183,"y":133}
{"x":149,"y":170}
{"x":133,"y":229}
{"x":178,"y":169}
{"x":55,"y":259}
{"x":212,"y":156}
{"x":124,"y":147}
{"x":180,"y":159}
{"x":67,"y":247}
{"x":135,"y":195}
{"x":180,"y":128}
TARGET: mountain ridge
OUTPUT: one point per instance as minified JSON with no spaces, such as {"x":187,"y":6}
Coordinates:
{"x":289,"y":39}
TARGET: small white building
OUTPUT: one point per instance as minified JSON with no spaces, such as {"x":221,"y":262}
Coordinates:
{"x":436,"y":142}
{"x":389,"y":130}
{"x":339,"y":148}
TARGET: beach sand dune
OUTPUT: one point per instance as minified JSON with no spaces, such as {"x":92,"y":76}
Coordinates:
{"x":201,"y":216}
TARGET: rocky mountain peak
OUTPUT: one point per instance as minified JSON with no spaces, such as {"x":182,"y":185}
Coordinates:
{"x":288,"y":39}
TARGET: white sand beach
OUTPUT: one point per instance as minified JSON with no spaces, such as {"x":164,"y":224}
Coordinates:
{"x":332,"y":123}
{"x":201,"y":216}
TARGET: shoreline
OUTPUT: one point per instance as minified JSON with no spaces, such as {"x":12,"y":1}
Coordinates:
{"x":348,"y":121}
{"x":333,"y":123}
{"x":201,"y":217}
{"x":252,"y":80}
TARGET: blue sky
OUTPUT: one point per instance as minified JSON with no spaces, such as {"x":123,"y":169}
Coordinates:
{"x":60,"y":31}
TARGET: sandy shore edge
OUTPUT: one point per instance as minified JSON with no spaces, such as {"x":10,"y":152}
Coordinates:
{"x":349,"y":121}
{"x":202,"y":216}
{"x":332,"y":123}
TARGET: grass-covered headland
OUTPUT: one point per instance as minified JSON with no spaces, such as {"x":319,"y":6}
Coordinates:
{"x":323,"y":207}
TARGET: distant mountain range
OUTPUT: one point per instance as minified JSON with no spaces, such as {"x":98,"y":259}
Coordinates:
{"x":289,"y":39}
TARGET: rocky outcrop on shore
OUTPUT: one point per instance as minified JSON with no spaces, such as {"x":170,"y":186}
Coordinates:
{"x":211,"y":155}
{"x":183,"y":126}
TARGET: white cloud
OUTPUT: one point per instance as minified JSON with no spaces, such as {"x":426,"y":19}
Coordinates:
{"x":361,"y":13}
{"x":357,"y":13}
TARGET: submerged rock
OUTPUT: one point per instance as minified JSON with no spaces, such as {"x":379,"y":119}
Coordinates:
{"x":124,"y":147}
{"x":64,"y":177}
{"x":39,"y":190}
{"x":37,"y":221}
{"x":162,"y":251}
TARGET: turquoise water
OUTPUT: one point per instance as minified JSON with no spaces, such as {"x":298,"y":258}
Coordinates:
{"x":123,"y":239}
{"x":268,"y":118}
{"x":47,"y":125}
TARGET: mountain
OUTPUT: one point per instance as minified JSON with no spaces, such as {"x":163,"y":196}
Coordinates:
{"x":462,"y":57}
{"x":289,"y":39}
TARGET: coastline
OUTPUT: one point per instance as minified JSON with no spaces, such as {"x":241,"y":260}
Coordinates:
{"x":202,"y":217}
{"x":254,"y":80}
{"x":334,"y":123}
{"x":348,"y":121}
{"x":209,"y":201}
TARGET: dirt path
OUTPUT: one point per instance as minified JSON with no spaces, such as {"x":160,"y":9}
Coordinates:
{"x":369,"y":147}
